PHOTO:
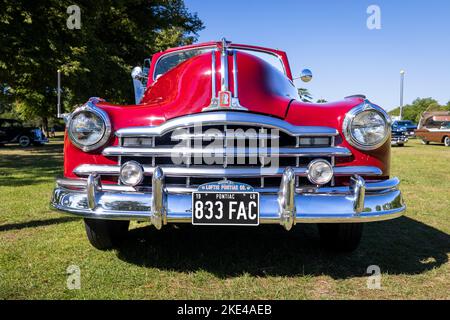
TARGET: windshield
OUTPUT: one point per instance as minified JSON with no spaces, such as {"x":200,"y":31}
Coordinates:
{"x":404,"y":123}
{"x":171,"y":60}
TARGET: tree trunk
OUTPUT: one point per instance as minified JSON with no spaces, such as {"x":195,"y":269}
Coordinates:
{"x":45,"y":125}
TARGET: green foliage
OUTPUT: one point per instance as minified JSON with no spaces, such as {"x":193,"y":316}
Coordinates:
{"x":414,"y":111}
{"x":322,"y":100}
{"x":95,"y":60}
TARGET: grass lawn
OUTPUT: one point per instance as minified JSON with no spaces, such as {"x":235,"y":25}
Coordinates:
{"x":37,"y":246}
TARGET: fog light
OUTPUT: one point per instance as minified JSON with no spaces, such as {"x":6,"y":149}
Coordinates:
{"x":320,"y":172}
{"x":131,"y":173}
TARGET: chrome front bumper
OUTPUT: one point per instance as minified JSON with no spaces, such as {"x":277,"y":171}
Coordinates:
{"x":399,"y":140}
{"x":360,"y":202}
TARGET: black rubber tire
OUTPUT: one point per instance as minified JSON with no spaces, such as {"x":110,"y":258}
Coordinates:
{"x":105,"y":234}
{"x":447,"y":141}
{"x":425,"y":142}
{"x":342,"y":237}
{"x":24,"y":141}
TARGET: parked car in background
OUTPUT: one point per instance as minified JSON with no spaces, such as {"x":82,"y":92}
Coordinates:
{"x":399,"y":138}
{"x":406,"y":126}
{"x":13,"y":131}
{"x":434,"y":127}
{"x":219,"y":136}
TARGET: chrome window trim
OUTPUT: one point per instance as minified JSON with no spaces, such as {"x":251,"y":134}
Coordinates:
{"x":230,"y":46}
{"x":263,"y":51}
{"x":365,"y":106}
{"x":227,"y":118}
{"x":90,"y":106}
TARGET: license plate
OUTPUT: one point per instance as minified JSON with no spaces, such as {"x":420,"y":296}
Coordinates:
{"x":225,"y":208}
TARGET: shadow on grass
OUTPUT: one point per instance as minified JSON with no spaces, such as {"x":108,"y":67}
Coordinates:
{"x":36,"y":164}
{"x":35,"y":223}
{"x":402,"y":246}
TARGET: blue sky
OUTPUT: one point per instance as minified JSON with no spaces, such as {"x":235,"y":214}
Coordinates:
{"x":332,"y":39}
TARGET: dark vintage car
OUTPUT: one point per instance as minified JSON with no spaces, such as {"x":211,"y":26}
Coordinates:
{"x":435,"y":127}
{"x":406,"y":126}
{"x":219,"y":136}
{"x":399,"y":138}
{"x":13,"y":131}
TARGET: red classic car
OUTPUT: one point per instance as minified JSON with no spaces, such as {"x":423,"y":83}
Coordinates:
{"x":219,"y":136}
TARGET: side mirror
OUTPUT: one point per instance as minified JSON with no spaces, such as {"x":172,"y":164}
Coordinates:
{"x":306,"y":75}
{"x":139,"y":82}
{"x":137,"y":73}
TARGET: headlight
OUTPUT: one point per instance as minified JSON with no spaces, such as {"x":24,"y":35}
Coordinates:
{"x":131,"y":173}
{"x":320,"y":172}
{"x":367,"y":126}
{"x":89,"y":127}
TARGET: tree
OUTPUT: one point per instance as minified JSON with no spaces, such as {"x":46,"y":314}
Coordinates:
{"x":447,"y":107}
{"x":95,"y":60}
{"x":304,"y":94}
{"x":415,"y":110}
{"x":321,"y":100}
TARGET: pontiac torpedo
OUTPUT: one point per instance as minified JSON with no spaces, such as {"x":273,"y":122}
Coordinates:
{"x":218,"y":135}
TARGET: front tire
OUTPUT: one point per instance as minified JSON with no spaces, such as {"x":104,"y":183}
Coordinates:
{"x":105,"y":234}
{"x":447,"y":141}
{"x":342,"y":237}
{"x":425,"y":142}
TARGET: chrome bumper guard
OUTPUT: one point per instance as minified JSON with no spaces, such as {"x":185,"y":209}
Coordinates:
{"x":360,"y":202}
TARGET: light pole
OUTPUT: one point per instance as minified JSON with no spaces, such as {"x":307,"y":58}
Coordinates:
{"x":59,"y":95}
{"x":402,"y":83}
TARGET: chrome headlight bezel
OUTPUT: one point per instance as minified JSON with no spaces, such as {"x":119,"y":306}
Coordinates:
{"x":107,"y":128}
{"x":348,"y":122}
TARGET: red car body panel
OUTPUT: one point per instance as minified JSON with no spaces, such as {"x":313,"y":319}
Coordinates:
{"x":187,"y":89}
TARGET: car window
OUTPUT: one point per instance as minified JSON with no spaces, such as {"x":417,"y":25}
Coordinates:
{"x":10,"y":124}
{"x":6,"y":124}
{"x":171,"y":60}
{"x":269,"y":58}
{"x":16,"y":124}
{"x":403,"y":123}
{"x":430,"y":123}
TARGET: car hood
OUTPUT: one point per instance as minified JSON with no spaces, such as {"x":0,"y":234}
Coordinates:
{"x":191,"y":86}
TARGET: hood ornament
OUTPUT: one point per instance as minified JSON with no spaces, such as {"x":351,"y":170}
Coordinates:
{"x":224,"y":99}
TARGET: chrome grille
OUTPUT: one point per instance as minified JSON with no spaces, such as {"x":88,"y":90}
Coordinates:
{"x":238,"y":140}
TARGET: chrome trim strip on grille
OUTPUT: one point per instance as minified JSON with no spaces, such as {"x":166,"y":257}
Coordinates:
{"x":235,"y":152}
{"x":228,"y":118}
{"x":221,"y":136}
{"x":217,"y":172}
{"x":371,"y":187}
